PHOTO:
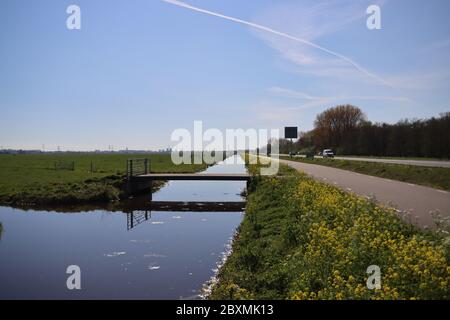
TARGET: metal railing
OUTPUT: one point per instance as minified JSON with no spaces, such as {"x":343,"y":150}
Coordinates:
{"x":137,"y":167}
{"x":135,"y":218}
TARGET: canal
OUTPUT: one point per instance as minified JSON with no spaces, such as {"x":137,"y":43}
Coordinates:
{"x":165,"y":255}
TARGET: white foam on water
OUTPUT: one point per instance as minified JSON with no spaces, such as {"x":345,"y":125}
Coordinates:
{"x":154,"y":268}
{"x":115,"y":254}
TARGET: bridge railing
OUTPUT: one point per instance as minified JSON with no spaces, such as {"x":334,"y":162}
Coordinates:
{"x":137,"y":217}
{"x":136,"y":167}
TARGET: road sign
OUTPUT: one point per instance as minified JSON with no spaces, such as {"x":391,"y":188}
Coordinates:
{"x":291,"y":132}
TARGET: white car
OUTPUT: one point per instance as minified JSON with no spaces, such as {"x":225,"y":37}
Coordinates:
{"x":328,"y":153}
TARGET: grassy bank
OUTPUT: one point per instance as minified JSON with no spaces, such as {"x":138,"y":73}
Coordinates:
{"x":42,"y":179}
{"x":302,"y":239}
{"x":427,"y":176}
{"x":399,"y":158}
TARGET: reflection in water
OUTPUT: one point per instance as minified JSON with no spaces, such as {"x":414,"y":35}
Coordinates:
{"x":137,"y":217}
{"x":1,"y":230}
{"x":170,"y":256}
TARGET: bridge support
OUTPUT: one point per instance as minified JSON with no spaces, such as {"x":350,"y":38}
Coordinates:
{"x":136,"y":186}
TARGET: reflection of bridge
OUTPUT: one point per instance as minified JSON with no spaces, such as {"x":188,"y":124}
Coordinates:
{"x":137,"y":217}
{"x":138,"y":213}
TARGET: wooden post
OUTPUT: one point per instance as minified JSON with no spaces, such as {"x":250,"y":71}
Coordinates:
{"x":151,"y":190}
{"x":146,"y":165}
{"x":131,"y":168}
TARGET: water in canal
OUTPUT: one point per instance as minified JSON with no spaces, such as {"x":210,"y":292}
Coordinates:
{"x":171,"y":255}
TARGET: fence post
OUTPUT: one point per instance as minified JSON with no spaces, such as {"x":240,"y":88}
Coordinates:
{"x":131,"y":168}
{"x":146,"y":166}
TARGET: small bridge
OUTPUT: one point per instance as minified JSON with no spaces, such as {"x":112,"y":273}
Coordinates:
{"x":140,"y":176}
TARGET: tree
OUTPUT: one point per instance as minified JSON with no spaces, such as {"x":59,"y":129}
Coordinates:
{"x":346,"y":130}
{"x":334,"y":127}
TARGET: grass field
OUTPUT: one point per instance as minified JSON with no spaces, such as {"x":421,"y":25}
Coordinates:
{"x":399,"y":158}
{"x":303,"y":239}
{"x":427,"y":176}
{"x":33,"y":179}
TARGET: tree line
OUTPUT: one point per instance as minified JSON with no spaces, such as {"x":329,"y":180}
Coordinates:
{"x":347,"y":131}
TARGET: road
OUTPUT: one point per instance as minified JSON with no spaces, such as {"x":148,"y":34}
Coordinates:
{"x":422,"y":163}
{"x":405,"y":197}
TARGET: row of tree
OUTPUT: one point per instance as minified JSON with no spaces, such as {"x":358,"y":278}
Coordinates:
{"x":346,"y":130}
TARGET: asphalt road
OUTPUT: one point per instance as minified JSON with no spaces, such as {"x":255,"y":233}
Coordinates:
{"x":419,"y":201}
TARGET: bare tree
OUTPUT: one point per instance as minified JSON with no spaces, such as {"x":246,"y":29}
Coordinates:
{"x":334,"y":126}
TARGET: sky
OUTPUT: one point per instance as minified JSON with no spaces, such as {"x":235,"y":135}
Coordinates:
{"x":138,"y":70}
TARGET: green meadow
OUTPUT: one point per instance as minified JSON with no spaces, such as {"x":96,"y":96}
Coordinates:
{"x":49,"y":178}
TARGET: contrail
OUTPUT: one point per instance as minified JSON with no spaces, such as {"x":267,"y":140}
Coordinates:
{"x":281,"y":34}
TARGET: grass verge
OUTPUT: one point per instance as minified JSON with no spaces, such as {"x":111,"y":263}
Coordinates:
{"x":427,"y":176}
{"x":399,"y":158}
{"x":303,"y":239}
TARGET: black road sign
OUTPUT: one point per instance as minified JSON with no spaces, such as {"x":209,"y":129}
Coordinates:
{"x":291,"y":132}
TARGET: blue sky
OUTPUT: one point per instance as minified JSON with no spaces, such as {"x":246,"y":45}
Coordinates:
{"x":137,"y":70}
